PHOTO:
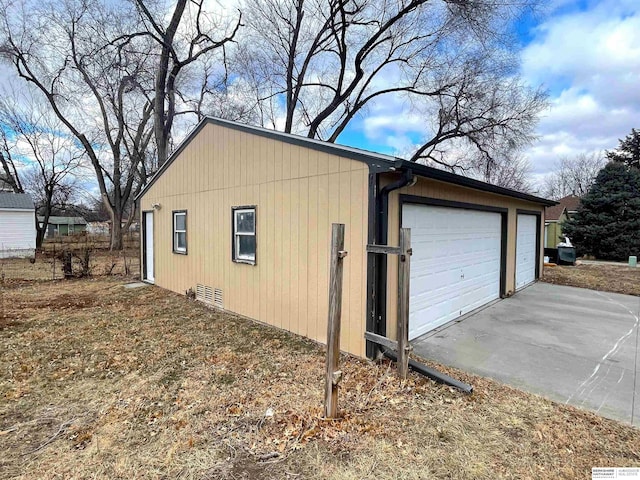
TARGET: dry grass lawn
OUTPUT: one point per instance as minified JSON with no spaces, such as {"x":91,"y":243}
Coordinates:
{"x":603,"y":277}
{"x":97,"y":381}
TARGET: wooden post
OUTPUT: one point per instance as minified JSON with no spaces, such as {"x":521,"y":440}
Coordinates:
{"x":333,"y":375}
{"x":403,"y":302}
{"x":2,"y":314}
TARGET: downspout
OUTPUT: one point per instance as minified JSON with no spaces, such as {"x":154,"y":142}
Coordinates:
{"x":380,"y":327}
{"x":383,"y":204}
{"x":381,"y":238}
{"x":431,"y":373}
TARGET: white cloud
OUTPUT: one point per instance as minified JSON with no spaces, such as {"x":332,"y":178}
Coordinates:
{"x":391,"y":121}
{"x":590,"y":62}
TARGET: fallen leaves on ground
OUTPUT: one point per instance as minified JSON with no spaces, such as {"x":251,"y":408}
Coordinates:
{"x":98,"y":381}
{"x":604,"y":277}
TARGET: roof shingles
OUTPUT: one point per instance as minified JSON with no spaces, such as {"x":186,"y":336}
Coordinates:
{"x":570,"y":203}
{"x":16,"y":201}
{"x":56,"y":220}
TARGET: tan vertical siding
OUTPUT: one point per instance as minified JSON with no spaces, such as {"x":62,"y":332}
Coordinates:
{"x":298,"y":193}
{"x":441,"y":190}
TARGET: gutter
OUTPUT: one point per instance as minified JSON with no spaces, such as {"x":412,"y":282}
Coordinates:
{"x":455,"y":179}
{"x":30,"y":210}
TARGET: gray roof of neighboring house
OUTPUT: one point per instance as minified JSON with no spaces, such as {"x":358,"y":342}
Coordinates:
{"x":53,"y":220}
{"x":17,"y":201}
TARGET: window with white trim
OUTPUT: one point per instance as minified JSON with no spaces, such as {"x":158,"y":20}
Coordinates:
{"x":244,"y":235}
{"x":180,"y":231}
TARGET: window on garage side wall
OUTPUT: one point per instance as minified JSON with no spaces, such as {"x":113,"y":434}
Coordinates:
{"x":180,"y":232}
{"x":244,"y":235}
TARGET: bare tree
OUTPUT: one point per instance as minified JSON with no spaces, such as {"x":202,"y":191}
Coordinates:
{"x":98,"y":90}
{"x":183,"y":37}
{"x":315,"y":65}
{"x":205,"y":89}
{"x":51,"y":189}
{"x":510,"y":170}
{"x":573,"y":175}
{"x":49,"y":159}
{"x":9,"y":175}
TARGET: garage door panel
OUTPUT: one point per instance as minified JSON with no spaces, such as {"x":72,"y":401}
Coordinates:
{"x":526,"y":248}
{"x":473,"y":297}
{"x":483,"y":269}
{"x":455,"y":266}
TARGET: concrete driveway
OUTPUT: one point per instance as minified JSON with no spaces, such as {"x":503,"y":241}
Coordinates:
{"x":569,"y":344}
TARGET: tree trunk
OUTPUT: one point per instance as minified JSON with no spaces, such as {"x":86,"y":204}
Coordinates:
{"x":133,"y":215}
{"x":46,"y":209}
{"x":40,"y":232}
{"x":67,"y":264}
{"x":161,"y":118}
{"x":116,"y":230}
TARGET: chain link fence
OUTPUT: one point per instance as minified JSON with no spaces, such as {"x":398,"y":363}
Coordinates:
{"x":67,"y":259}
{"x":130,"y":241}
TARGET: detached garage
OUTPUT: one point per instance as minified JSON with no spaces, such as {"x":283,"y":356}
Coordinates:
{"x":242,"y":216}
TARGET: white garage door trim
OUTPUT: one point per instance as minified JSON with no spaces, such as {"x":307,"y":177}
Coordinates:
{"x":527,"y":234}
{"x":147,"y":238}
{"x":458,"y":262}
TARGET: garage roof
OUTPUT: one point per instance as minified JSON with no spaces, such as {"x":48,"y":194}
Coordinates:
{"x":16,"y":201}
{"x":376,"y":161}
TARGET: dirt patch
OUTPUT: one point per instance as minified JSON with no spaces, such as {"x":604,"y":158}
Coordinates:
{"x":604,"y":277}
{"x":59,"y":302}
{"x":68,"y":301}
{"x":147,"y":384}
{"x":6,"y":323}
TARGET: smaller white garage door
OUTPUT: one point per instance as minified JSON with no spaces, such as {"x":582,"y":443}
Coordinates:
{"x":526,"y":247}
{"x":455,"y":266}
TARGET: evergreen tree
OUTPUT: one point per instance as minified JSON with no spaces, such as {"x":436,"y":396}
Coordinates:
{"x":629,"y":150}
{"x":607,"y":224}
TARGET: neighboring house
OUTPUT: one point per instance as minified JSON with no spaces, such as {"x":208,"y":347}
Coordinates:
{"x":64,"y":226}
{"x":555,"y":215}
{"x":98,"y":228}
{"x":104,"y":228}
{"x":134,"y":227}
{"x":242,"y":215}
{"x":17,"y":225}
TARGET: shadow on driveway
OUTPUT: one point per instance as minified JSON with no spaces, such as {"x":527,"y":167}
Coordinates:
{"x":569,"y":344}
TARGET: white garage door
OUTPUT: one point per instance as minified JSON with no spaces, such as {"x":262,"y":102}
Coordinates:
{"x":455,"y":267}
{"x":526,"y":247}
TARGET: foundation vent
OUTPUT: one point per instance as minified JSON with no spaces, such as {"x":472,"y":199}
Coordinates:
{"x":217,"y":298}
{"x":204,"y":293}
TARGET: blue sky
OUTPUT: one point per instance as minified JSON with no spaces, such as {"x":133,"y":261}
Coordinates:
{"x":586,"y":54}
